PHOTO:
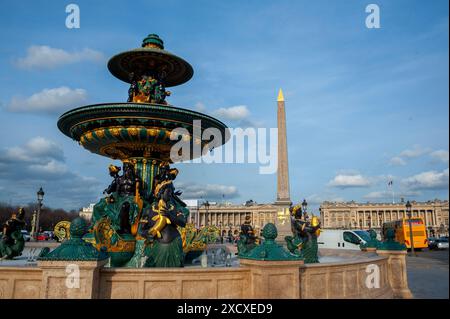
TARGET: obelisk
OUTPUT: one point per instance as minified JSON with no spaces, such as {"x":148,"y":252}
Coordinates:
{"x":283,"y":196}
{"x":283,"y":221}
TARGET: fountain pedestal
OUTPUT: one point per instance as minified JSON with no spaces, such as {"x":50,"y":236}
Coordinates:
{"x":63,"y":279}
{"x":273,"y":279}
{"x":397,"y":272}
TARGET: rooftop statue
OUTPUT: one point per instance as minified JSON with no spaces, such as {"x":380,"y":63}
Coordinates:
{"x":12,"y":241}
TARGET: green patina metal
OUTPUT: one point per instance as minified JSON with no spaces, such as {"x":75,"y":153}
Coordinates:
{"x":390,"y":243}
{"x":75,"y":248}
{"x":141,"y":210}
{"x":12,"y":242}
{"x":305,"y":231}
{"x":269,"y":250}
{"x":153,"y":39}
{"x":373,"y":242}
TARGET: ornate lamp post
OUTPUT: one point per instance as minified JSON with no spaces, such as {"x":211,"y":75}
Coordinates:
{"x":304,"y":207}
{"x":40,"y":198}
{"x":408,"y":213}
{"x":370,"y":223}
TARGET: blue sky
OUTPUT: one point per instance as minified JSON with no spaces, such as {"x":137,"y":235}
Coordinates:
{"x":364,"y":106}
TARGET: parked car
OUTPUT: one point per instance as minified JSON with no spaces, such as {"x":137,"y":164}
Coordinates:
{"x":431,"y":240}
{"x":26,"y":235}
{"x":49,"y":234}
{"x":439,"y":243}
{"x":349,"y":239}
{"x":42,"y":237}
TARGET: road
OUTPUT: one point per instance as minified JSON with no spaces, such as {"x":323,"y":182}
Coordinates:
{"x":428,"y":274}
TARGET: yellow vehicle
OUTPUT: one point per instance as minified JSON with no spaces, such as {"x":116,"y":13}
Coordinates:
{"x":402,"y":235}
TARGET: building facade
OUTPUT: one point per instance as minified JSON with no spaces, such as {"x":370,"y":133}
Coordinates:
{"x":373,"y":215}
{"x":86,"y":212}
{"x":229,"y":218}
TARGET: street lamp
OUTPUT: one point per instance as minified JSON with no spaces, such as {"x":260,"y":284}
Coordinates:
{"x":370,"y":223}
{"x":40,"y":198}
{"x":304,"y":207}
{"x":408,"y":213}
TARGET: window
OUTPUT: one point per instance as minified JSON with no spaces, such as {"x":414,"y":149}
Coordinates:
{"x":351,"y":238}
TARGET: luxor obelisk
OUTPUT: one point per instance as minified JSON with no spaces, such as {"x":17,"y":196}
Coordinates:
{"x":283,"y":196}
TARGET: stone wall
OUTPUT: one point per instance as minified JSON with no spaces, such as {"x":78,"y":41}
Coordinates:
{"x":254,"y":279}
{"x":20,"y":282}
{"x":187,"y":283}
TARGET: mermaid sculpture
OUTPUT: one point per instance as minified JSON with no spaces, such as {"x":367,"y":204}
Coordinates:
{"x":167,"y":212}
{"x":12,"y":241}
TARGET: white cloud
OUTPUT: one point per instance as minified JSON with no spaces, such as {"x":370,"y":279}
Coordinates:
{"x":416,"y":151}
{"x":349,"y":181}
{"x":200,"y":107}
{"x":385,"y":195}
{"x":428,"y":180}
{"x":208,"y":191}
{"x":41,"y":162}
{"x":233,"y":113}
{"x":49,"y":100}
{"x":440,"y":155}
{"x":398,"y":161}
{"x":316,"y":199}
{"x":52,"y":167}
{"x":37,"y":149}
{"x":45,"y":57}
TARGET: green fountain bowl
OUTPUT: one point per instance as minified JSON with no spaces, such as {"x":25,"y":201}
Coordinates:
{"x":127,"y":130}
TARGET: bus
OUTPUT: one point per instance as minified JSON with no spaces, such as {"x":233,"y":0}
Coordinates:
{"x":401,"y":228}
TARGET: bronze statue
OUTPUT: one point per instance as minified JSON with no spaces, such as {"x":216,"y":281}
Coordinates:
{"x":247,"y":237}
{"x":121,"y":205}
{"x":162,"y":220}
{"x":12,"y":241}
{"x":305,"y":231}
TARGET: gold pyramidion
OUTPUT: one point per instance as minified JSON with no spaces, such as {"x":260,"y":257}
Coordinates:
{"x":280,"y":96}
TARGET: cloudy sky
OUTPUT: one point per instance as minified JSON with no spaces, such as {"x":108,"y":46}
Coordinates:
{"x":364,"y":106}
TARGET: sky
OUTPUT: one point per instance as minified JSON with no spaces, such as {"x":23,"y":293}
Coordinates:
{"x":364,"y":106}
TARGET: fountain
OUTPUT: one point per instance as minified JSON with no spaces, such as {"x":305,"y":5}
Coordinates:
{"x":139,"y":226}
{"x":140,"y":133}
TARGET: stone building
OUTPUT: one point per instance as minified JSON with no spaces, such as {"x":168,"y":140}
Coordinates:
{"x":228,"y":218}
{"x":86,"y":212}
{"x":365,"y":215}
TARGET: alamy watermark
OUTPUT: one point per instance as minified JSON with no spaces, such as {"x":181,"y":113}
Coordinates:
{"x":373,"y":19}
{"x":373,"y":277}
{"x":73,"y":17}
{"x":243,"y":145}
{"x":73,"y":276}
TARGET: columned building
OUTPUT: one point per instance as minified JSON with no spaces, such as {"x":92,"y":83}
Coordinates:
{"x":229,"y":218}
{"x":373,"y":215}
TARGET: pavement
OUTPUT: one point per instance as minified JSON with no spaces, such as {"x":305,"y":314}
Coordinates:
{"x":428,"y":274}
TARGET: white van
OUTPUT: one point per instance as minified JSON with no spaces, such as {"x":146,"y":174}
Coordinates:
{"x":342,"y":238}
